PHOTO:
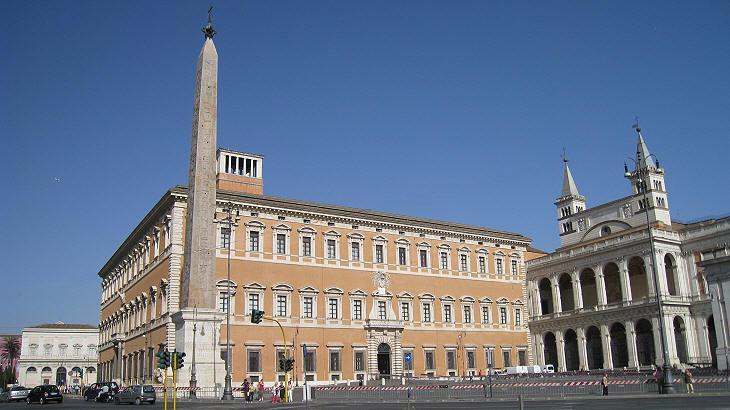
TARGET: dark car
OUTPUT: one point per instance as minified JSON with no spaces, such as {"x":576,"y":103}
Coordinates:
{"x":17,"y":393}
{"x":97,"y":391}
{"x":137,"y":394}
{"x":44,"y":394}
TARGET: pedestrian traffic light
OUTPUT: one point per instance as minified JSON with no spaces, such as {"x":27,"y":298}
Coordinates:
{"x":163,"y":359}
{"x":289,"y":365}
{"x":179,"y":360}
{"x":257,"y":316}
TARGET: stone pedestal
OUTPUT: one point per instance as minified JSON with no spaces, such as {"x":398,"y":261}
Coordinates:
{"x":209,"y":368}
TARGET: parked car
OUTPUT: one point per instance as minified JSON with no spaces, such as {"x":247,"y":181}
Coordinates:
{"x":96,"y":391}
{"x":17,"y":393}
{"x":43,"y":394}
{"x":137,"y":394}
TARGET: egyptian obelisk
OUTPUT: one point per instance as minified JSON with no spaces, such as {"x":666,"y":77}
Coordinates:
{"x":198,"y":315}
{"x":198,"y":281}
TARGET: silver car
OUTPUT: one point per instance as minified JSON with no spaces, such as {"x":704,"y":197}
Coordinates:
{"x":136,"y":394}
{"x":18,"y":393}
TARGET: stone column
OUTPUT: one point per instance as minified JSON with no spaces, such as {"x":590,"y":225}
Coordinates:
{"x":582,"y":351}
{"x":661,"y":271}
{"x":540,"y":349}
{"x":556,"y":294}
{"x":657,"y":341}
{"x":625,"y":281}
{"x":631,"y":344}
{"x":601,"y":285}
{"x":560,"y":341}
{"x":577,"y":291}
{"x":606,"y":346}
{"x":649,"y":275}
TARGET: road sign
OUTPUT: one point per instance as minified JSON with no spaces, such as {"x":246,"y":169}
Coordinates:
{"x":407,"y":357}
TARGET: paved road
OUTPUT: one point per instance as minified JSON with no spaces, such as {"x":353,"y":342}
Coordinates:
{"x":598,"y":403}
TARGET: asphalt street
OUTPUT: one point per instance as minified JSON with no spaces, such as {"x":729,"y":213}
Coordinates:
{"x":595,"y":403}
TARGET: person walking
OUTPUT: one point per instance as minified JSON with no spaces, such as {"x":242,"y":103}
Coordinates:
{"x":290,"y":393}
{"x":688,"y":380}
{"x":604,"y":384}
{"x":275,"y":393}
{"x":282,"y":392}
{"x":246,"y":387}
{"x":658,"y":379}
{"x":260,"y":391}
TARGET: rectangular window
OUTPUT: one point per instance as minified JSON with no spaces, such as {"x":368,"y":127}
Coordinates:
{"x":356,"y":251}
{"x":450,"y":359}
{"x":253,"y":301}
{"x":485,"y":314}
{"x":490,"y":357}
{"x":462,"y":263}
{"x":223,"y":302}
{"x":306,"y":246}
{"x":423,"y":258}
{"x":502,"y":315}
{"x":482,"y":264}
{"x":467,"y":314}
{"x":382,"y":312}
{"x":308,"y":307}
{"x":401,"y":256}
{"x":521,"y":358}
{"x":378,"y":253}
{"x":253,"y":241}
{"x":429,"y":362}
{"x":281,"y":305}
{"x":280,"y":243}
{"x":254,"y":361}
{"x":471,"y":359}
{"x":335,"y":361}
{"x":359,"y":361}
{"x":506,"y":359}
{"x":427,"y":312}
{"x":518,"y":317}
{"x":331,"y":249}
{"x":447,"y":313}
{"x":500,"y":268}
{"x":514,"y":268}
{"x":333,"y":305}
{"x":310,"y":362}
{"x":225,"y":238}
{"x":408,"y":364}
{"x":357,"y":309}
{"x":405,"y":312}
{"x":444,"y":260}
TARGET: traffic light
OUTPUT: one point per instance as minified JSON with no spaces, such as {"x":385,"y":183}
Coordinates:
{"x":179,"y":360}
{"x":282,"y":364}
{"x":163,"y":359}
{"x":289,"y":365}
{"x":257,"y":316}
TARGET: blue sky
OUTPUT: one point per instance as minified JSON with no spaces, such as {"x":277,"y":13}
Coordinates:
{"x":449,"y":110}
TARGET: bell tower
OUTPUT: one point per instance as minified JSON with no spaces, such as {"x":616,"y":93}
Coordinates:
{"x":648,"y":177}
{"x":569,"y":203}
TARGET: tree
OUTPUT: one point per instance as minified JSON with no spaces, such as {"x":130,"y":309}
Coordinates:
{"x":9,"y":355}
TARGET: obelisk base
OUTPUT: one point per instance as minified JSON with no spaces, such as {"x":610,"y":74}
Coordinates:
{"x":202,"y":347}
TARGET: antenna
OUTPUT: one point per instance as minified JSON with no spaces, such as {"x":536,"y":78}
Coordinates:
{"x":564,"y":157}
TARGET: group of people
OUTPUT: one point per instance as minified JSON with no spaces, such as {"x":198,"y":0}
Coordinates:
{"x":278,"y":391}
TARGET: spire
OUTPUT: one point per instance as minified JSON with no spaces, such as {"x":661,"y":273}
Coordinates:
{"x":643,"y":158}
{"x":569,"y":188}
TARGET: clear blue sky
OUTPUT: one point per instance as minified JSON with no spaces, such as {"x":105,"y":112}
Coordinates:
{"x":448,"y":110}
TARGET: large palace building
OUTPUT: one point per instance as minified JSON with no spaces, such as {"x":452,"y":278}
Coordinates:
{"x":368,"y":293}
{"x":628,"y":284}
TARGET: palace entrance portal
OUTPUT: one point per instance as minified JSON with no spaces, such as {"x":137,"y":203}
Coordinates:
{"x":384,"y":359}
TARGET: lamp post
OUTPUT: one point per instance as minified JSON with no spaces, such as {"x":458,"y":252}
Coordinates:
{"x":642,"y":175}
{"x":193,"y":380}
{"x":228,"y":389}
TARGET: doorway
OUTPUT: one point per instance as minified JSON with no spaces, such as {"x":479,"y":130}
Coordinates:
{"x":384,"y":360}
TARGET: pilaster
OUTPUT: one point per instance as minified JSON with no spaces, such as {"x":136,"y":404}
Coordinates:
{"x":561,"y":350}
{"x":582,"y":351}
{"x":600,"y":284}
{"x":606,"y":347}
{"x":631,"y":344}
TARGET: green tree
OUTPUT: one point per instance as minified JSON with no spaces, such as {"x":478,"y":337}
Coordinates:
{"x":9,"y":355}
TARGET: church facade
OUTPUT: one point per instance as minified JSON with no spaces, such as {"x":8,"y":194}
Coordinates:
{"x":359,"y":294}
{"x":628,"y":283}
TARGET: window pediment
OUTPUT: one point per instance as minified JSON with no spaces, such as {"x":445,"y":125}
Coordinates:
{"x":358,"y":292}
{"x":255,"y":224}
{"x":485,"y":300}
{"x":307,"y":230}
{"x":405,"y":295}
{"x":282,"y":227}
{"x":447,"y":298}
{"x":503,"y":301}
{"x":282,"y":287}
{"x":467,"y":299}
{"x":308,"y":290}
{"x":335,"y":291}
{"x":254,"y":285}
{"x":426,"y":296}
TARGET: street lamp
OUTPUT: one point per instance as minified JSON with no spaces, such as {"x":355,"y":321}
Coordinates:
{"x":642,"y":175}
{"x":193,"y":380}
{"x":228,"y":389}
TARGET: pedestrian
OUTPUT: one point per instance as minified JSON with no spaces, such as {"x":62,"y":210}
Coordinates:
{"x":260,"y":391}
{"x":689,"y":381}
{"x":658,"y":379}
{"x":282,"y":392}
{"x":290,"y":393}
{"x":275,"y":393}
{"x":604,"y":384}
{"x":246,"y":388}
